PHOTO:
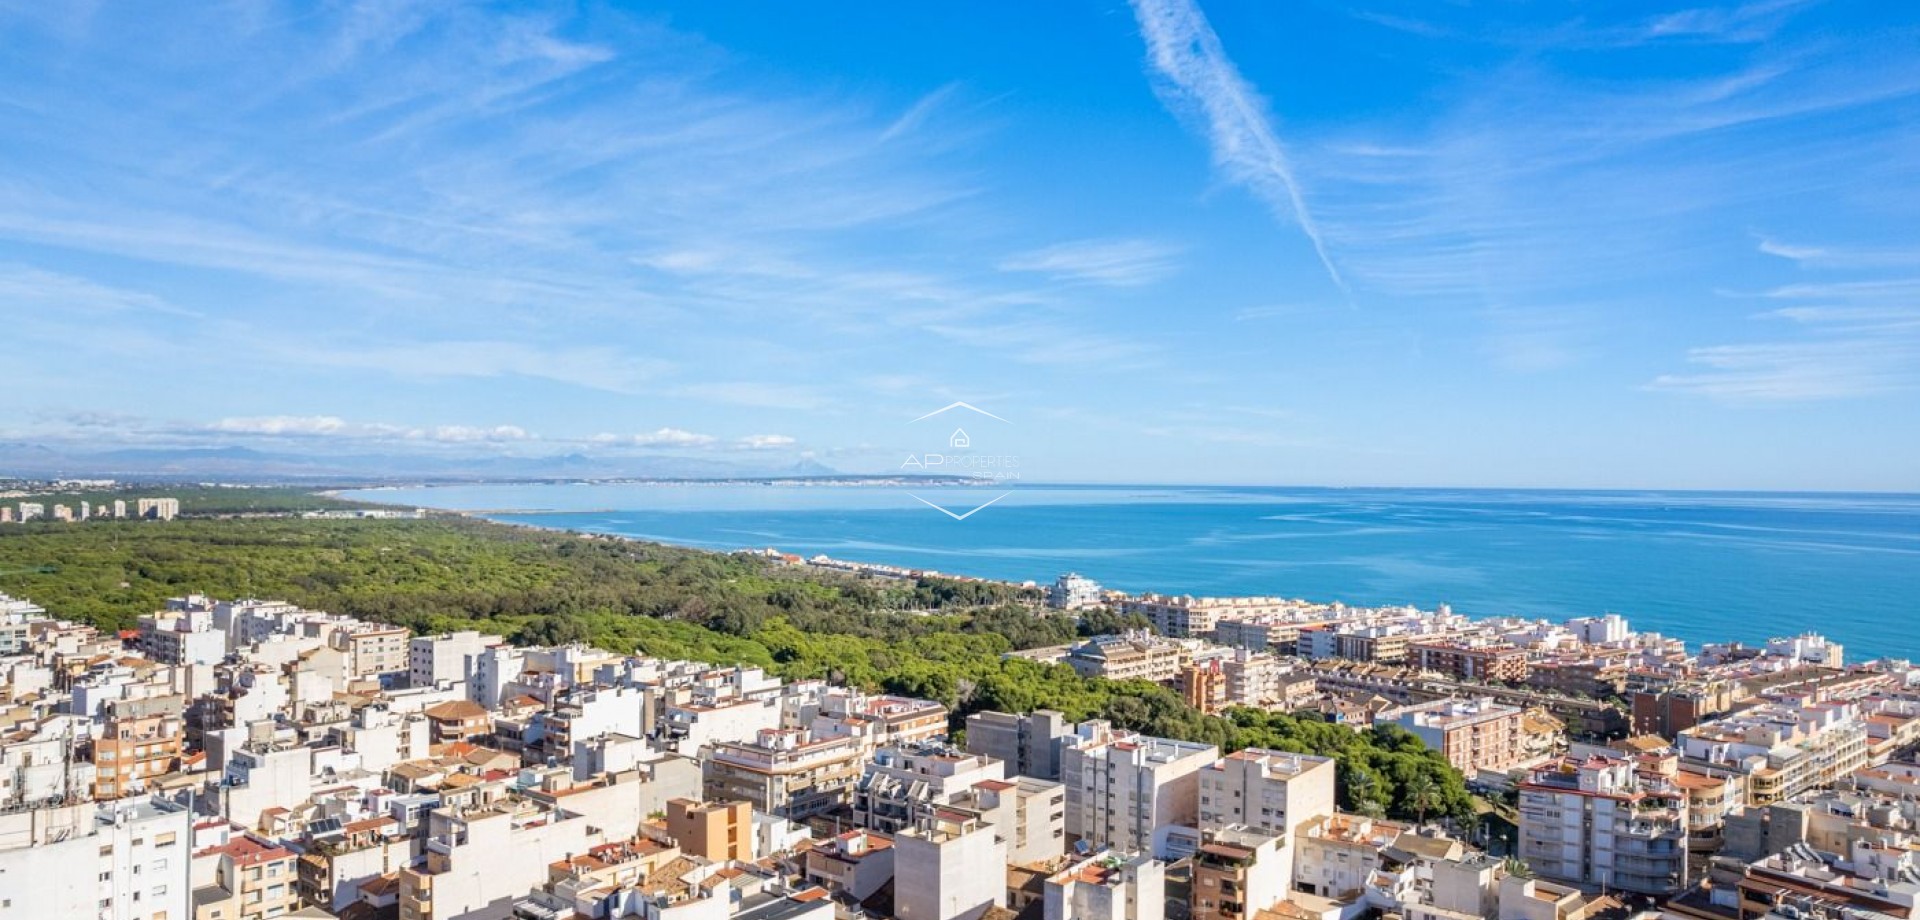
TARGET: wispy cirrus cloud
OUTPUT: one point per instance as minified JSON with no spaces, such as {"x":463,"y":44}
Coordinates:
{"x":456,"y":183}
{"x":1116,"y":263}
{"x":1740,"y":23}
{"x":1855,"y":339}
{"x":1198,"y":80}
{"x":1829,"y":256}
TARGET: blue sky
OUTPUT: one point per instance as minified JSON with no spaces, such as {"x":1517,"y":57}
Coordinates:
{"x":1543,"y":244}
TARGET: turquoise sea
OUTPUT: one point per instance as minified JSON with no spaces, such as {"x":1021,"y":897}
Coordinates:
{"x":1701,"y":566}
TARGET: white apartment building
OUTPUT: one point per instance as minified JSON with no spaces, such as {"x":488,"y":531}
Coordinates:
{"x":182,"y":637}
{"x":1608,"y":629}
{"x":159,"y":509}
{"x":1030,"y":815}
{"x":446,"y":657}
{"x":1073,"y":591}
{"x":1272,"y":791}
{"x":950,"y":867}
{"x":1186,"y":616}
{"x":1808,"y":648}
{"x":902,"y":784}
{"x":1122,"y":787}
{"x":479,"y":860}
{"x":1780,"y":748}
{"x":1605,"y":822}
{"x":126,"y":860}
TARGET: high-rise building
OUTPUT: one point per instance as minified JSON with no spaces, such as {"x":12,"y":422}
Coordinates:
{"x":1073,"y":591}
{"x":1272,"y":791}
{"x":159,"y":509}
{"x":1265,"y":791}
{"x":950,"y":867}
{"x":1028,"y":744}
{"x":1605,"y":822}
{"x":125,"y":860}
{"x":1122,"y":787}
{"x":785,"y":772}
{"x":903,"y":784}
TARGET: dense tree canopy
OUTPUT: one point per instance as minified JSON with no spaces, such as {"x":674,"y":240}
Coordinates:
{"x":546,"y":587}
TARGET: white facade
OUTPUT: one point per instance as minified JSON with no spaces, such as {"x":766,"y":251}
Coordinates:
{"x":125,"y":861}
{"x":449,"y":657}
{"x":1073,"y":591}
{"x":1122,"y":787}
{"x":1601,"y":630}
{"x":1108,"y":886}
{"x":948,"y":871}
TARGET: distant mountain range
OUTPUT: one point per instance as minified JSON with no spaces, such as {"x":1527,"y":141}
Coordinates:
{"x":245,"y":464}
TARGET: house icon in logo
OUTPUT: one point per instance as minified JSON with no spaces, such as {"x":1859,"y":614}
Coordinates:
{"x":959,"y":438}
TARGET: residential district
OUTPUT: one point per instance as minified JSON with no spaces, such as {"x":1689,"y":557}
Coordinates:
{"x":249,"y":759}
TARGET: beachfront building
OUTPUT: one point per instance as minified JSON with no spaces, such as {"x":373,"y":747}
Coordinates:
{"x":1186,"y":616}
{"x":1073,"y":591}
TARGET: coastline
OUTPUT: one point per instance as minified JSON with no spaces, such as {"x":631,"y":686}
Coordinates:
{"x":882,"y":569}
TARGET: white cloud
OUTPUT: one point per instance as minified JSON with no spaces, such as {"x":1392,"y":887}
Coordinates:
{"x":1117,"y":263}
{"x":663,"y":437}
{"x":284,"y":425}
{"x":766,"y":441}
{"x":464,"y":434}
{"x":333,"y":426}
{"x":1839,"y":352}
{"x":1840,"y":256}
{"x":1200,"y":80}
{"x":918,"y":113}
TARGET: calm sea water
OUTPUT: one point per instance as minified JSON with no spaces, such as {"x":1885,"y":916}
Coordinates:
{"x":1701,"y":566}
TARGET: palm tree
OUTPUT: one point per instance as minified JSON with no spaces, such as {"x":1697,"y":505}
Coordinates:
{"x":1363,"y":791}
{"x":1422,"y":794}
